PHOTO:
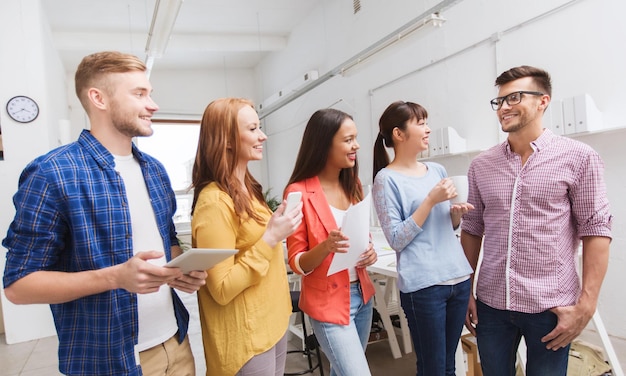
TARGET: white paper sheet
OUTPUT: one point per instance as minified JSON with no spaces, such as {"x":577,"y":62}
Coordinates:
{"x":356,"y":226}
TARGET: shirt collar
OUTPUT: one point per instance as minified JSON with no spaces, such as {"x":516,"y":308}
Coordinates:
{"x":543,"y":140}
{"x":540,"y":143}
{"x":101,"y":154}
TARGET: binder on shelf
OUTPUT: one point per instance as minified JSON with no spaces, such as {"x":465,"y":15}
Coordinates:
{"x":440,"y":150}
{"x":451,"y":141}
{"x":580,"y":114}
{"x":569,"y":116}
{"x":554,"y":117}
{"x":434,"y":143}
{"x":588,"y":117}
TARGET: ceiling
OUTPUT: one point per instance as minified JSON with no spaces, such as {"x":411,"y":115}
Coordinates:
{"x":208,"y":34}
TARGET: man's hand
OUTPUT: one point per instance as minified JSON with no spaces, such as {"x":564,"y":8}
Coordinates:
{"x":471,"y":319}
{"x":573,"y":319}
{"x":571,"y":322}
{"x":139,"y":276}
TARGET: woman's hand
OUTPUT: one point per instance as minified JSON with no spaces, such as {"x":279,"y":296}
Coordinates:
{"x":457,"y":211}
{"x":460,"y":209}
{"x":337,"y":242}
{"x":282,"y":224}
{"x":191,"y":282}
{"x":369,"y":257}
{"x":444,"y":190}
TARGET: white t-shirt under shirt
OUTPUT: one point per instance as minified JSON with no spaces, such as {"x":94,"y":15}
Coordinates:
{"x":157,"y":322}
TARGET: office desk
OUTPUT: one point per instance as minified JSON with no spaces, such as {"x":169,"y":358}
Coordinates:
{"x":384,"y":270}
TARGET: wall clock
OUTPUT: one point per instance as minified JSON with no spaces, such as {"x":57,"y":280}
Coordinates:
{"x":22,"y":109}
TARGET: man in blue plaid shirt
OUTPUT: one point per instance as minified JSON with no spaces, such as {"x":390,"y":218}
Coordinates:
{"x":92,"y":230}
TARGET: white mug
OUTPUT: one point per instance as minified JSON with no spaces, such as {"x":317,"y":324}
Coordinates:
{"x":460,"y":183}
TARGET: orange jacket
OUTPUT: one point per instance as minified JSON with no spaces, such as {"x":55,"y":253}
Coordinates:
{"x":324,"y":298}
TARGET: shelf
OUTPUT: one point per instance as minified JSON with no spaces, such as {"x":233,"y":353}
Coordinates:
{"x":473,"y":153}
{"x":469,"y":153}
{"x":596,"y":132}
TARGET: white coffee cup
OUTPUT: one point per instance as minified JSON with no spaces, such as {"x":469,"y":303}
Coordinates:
{"x":460,"y":183}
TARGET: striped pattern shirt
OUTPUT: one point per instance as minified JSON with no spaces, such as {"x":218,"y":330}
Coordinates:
{"x":72,"y":215}
{"x":532,"y":218}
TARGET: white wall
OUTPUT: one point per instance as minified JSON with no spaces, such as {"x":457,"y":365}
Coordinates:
{"x":190,"y":91}
{"x":451,"y":71}
{"x":29,"y":67}
{"x":185,"y":94}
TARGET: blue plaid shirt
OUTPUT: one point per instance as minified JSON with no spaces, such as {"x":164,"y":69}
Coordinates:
{"x":72,"y":215}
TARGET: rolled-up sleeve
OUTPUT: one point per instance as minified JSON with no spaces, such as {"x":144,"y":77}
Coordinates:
{"x":590,"y":205}
{"x":35,"y":236}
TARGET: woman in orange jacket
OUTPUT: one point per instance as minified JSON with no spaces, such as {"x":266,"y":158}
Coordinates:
{"x":339,"y":305}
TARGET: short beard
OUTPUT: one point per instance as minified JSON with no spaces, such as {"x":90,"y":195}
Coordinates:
{"x":126,"y":126}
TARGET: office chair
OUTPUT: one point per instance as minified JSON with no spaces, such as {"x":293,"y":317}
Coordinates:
{"x":310,"y":343}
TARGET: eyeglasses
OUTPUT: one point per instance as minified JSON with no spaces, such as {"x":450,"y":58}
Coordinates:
{"x":511,"y":99}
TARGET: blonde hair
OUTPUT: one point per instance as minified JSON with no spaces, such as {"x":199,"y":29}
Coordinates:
{"x":94,"y":69}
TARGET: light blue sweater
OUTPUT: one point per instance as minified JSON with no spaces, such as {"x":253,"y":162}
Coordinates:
{"x":427,"y":255}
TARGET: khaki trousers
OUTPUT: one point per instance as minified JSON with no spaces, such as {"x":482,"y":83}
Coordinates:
{"x":168,"y":359}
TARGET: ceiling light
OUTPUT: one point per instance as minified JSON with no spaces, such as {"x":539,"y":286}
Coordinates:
{"x":434,"y":19}
{"x":163,"y":20}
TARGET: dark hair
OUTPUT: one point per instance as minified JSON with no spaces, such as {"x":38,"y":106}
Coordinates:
{"x":94,"y":69}
{"x":540,"y":77}
{"x":397,"y":114}
{"x":317,"y":141}
{"x":216,"y":157}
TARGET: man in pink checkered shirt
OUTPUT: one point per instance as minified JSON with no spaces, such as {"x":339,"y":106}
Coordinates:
{"x":537,"y":197}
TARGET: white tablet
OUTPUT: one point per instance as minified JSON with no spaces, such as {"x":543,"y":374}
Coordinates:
{"x":200,"y":259}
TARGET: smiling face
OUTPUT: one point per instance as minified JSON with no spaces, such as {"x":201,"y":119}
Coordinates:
{"x":344,"y":146}
{"x":130,"y":104}
{"x":528,"y":112}
{"x":251,"y":137}
{"x":417,"y":134}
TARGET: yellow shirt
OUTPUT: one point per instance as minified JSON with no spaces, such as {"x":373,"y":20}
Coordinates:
{"x":245,"y":304}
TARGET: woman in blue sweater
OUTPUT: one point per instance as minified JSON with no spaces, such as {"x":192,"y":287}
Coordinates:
{"x":411,"y":199}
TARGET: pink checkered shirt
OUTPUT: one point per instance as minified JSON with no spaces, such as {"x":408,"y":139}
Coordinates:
{"x":532,"y":218}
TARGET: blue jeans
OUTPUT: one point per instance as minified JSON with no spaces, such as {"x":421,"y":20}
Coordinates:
{"x":436,"y":315}
{"x":344,"y":345}
{"x":499,"y":334}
